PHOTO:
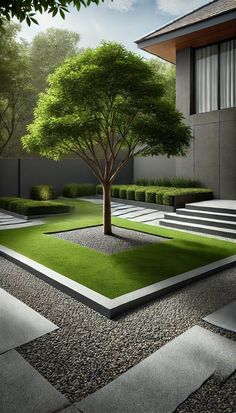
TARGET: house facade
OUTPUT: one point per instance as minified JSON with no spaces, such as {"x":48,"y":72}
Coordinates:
{"x":202,"y":44}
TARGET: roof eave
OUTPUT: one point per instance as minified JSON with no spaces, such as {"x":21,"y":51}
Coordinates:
{"x":192,"y":28}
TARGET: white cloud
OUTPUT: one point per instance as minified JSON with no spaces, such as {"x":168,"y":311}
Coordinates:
{"x":178,"y":7}
{"x":121,"y":5}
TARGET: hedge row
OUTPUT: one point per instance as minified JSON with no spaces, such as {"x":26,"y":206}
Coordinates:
{"x":32,"y":208}
{"x":76,"y":190}
{"x":153,"y":194}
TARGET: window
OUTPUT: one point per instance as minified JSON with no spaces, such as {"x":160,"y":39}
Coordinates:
{"x":215,"y":77}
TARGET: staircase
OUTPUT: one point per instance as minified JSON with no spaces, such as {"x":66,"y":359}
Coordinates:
{"x":216,"y":217}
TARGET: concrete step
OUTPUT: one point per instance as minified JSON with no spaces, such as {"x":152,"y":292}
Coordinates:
{"x":205,"y":229}
{"x":206,"y":214}
{"x":201,"y":221}
{"x":224,"y":207}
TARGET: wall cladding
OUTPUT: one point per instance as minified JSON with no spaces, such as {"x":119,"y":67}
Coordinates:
{"x":18,"y":176}
{"x":212,"y":156}
{"x":154,"y":167}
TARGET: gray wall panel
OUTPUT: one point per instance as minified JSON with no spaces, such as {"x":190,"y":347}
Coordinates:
{"x":212,"y":156}
{"x":228,"y":159}
{"x":9,"y":177}
{"x":44,"y":171}
{"x":154,"y":167}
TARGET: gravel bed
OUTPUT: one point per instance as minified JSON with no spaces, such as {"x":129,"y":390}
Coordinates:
{"x":121,"y":240}
{"x":88,"y":350}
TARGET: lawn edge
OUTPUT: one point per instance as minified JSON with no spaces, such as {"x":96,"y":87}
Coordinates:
{"x":110,"y":308}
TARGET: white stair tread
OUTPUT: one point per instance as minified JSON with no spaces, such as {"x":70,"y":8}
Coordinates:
{"x":200,"y":219}
{"x":198,"y":211}
{"x":189,"y":224}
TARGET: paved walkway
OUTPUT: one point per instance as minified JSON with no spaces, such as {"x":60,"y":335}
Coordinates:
{"x":10,"y":222}
{"x":22,"y":388}
{"x":131,"y":212}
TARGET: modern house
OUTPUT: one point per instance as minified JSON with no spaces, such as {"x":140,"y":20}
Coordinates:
{"x":202,"y":44}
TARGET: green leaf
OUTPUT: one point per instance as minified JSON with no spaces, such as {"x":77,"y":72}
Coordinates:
{"x":28,"y":21}
{"x":34,"y":20}
{"x":54,"y":12}
{"x":62,"y":14}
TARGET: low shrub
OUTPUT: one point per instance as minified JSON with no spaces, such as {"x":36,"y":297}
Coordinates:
{"x":130,"y":192}
{"x":77,"y":190}
{"x":115,"y":191}
{"x":32,"y":207}
{"x":150,"y":195}
{"x":123,"y":192}
{"x":176,"y":182}
{"x":99,"y":189}
{"x":140,"y":195}
{"x":42,"y":192}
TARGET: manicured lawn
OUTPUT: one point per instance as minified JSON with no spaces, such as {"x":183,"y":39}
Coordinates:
{"x":120,"y":273}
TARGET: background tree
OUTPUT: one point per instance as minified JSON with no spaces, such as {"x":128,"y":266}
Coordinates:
{"x":24,"y":69}
{"x":25,"y":9}
{"x":167,"y":72}
{"x":106,"y":101}
{"x":47,"y":51}
{"x":15,"y":88}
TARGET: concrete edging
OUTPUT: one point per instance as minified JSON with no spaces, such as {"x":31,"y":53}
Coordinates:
{"x":110,"y":308}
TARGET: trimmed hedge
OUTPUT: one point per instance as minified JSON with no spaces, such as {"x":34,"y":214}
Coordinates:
{"x":31,"y":207}
{"x":77,"y":190}
{"x":42,"y":192}
{"x":140,"y":195}
{"x":160,"y":195}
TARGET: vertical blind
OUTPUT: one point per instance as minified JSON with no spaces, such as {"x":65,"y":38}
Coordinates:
{"x":228,"y":74}
{"x":206,"y":85}
{"x":215,"y":67}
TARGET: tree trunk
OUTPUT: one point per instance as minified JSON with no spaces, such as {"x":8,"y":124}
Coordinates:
{"x":107,"y":229}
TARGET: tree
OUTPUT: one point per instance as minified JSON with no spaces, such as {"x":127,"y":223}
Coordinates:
{"x":106,"y":101}
{"x":15,"y":89}
{"x":47,"y":51}
{"x":25,"y":9}
{"x":168,"y":73}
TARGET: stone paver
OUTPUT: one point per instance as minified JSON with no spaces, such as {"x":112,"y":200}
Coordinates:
{"x":24,"y":390}
{"x":19,"y":324}
{"x":161,"y":382}
{"x":149,"y":217}
{"x":225,"y":317}
{"x":10,"y":222}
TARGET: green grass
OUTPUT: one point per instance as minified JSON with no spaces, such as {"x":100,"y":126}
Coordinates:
{"x":120,"y":273}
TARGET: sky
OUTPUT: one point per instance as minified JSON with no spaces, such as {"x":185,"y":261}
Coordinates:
{"x":122,"y":21}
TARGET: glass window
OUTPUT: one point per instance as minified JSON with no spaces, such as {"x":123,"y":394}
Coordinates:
{"x":228,"y":74}
{"x":215,"y":77}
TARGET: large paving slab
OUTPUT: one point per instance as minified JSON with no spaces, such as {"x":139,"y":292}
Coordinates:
{"x":161,"y":382}
{"x":19,"y":324}
{"x":149,"y":216}
{"x":24,"y":390}
{"x":225,"y":317}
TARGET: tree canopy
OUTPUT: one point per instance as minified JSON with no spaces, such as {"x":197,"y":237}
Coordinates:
{"x":25,"y":9}
{"x":106,"y":103}
{"x":15,"y":87}
{"x":24,"y":68}
{"x":47,"y":51}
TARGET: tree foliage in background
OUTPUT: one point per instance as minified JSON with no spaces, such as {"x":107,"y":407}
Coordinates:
{"x":106,"y":101}
{"x":15,"y":87}
{"x":168,"y":73}
{"x":25,"y":9}
{"x":24,"y":69}
{"x":47,"y":51}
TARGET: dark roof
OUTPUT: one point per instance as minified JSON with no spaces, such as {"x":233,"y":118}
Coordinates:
{"x":209,"y":10}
